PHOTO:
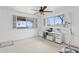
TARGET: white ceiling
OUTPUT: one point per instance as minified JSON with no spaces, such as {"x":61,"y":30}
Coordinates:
{"x":30,"y":9}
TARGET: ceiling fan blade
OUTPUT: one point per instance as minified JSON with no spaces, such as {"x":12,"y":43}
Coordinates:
{"x":47,"y":11}
{"x":39,"y":13}
{"x":43,"y":8}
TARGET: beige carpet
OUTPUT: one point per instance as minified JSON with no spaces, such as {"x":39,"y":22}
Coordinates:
{"x":33,"y":45}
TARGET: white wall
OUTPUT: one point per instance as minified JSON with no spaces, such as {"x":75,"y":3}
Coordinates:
{"x":73,"y":12}
{"x":6,"y":23}
{"x":40,"y":26}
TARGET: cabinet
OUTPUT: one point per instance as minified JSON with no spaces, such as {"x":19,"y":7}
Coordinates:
{"x":51,"y":36}
{"x":55,"y":36}
{"x":58,"y":37}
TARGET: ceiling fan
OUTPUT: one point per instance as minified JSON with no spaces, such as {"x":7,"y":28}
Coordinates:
{"x":41,"y":10}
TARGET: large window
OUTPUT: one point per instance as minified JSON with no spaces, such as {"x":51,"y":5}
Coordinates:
{"x":24,"y":24}
{"x":21,"y":22}
{"x":55,"y":20}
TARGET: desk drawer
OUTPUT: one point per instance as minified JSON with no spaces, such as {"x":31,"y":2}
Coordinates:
{"x":51,"y":38}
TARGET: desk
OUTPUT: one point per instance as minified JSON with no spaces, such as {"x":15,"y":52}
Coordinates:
{"x":55,"y":36}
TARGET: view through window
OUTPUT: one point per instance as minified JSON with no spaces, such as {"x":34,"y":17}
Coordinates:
{"x":55,"y":20}
{"x":24,"y":24}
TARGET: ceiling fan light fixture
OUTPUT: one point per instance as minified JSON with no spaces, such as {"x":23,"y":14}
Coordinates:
{"x":42,"y":10}
{"x":40,"y":14}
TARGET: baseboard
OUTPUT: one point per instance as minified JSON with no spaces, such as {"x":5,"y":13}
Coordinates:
{"x":7,"y":43}
{"x":73,"y":47}
{"x":12,"y":42}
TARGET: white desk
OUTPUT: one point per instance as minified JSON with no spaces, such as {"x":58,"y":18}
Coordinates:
{"x":55,"y":36}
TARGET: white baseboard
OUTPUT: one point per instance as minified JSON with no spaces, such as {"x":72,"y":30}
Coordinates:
{"x":7,"y":43}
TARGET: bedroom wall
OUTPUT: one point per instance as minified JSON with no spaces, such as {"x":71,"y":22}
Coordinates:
{"x":72,"y":14}
{"x":6,"y":27}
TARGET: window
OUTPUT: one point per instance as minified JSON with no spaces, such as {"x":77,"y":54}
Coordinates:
{"x":24,"y":24}
{"x":29,"y":24}
{"x":50,"y":21}
{"x":55,"y":20}
{"x":21,"y":22}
